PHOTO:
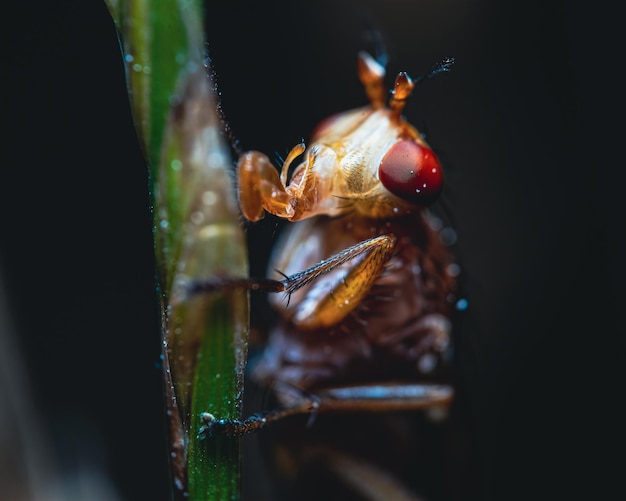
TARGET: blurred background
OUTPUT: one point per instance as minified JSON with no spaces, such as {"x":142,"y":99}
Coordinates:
{"x":526,"y":126}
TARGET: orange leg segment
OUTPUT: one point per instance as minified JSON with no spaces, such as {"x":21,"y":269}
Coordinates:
{"x":261,"y":188}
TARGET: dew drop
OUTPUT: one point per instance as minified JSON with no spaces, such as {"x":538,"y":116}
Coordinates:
{"x":454,"y":270}
{"x":427,"y":363}
{"x":197,"y":217}
{"x":209,"y":197}
{"x":435,"y":223}
{"x":448,"y":236}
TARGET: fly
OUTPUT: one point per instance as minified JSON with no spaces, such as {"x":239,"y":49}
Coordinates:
{"x":369,"y":282}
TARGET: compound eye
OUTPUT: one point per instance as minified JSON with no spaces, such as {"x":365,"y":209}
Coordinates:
{"x":412,"y":172}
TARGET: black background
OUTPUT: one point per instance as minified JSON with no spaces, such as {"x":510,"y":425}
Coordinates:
{"x":526,"y":126}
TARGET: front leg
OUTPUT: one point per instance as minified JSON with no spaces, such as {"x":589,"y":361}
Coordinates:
{"x":262,"y":189}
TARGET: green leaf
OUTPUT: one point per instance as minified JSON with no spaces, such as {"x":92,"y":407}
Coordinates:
{"x":197,"y":235}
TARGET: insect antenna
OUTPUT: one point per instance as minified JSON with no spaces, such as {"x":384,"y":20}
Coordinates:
{"x":404,"y":85}
{"x":400,"y":93}
{"x":441,"y":67}
{"x":372,"y":74}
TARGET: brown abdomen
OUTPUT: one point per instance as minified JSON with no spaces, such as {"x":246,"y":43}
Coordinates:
{"x":399,"y":331}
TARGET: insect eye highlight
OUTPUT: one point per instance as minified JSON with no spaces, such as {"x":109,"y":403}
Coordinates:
{"x":412,"y":172}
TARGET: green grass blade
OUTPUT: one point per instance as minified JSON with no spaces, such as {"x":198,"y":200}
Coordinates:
{"x":197,"y":234}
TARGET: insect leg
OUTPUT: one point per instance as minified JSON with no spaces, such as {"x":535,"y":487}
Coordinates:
{"x":384,"y":397}
{"x":261,"y":188}
{"x":295,"y":152}
{"x":234,"y":427}
{"x":185,"y":290}
{"x":373,"y":397}
{"x":333,"y":299}
{"x":377,"y":251}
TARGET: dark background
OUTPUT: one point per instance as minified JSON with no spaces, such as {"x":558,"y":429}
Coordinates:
{"x":526,"y":126}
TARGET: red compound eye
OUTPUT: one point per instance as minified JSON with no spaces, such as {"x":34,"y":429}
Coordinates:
{"x":412,"y":172}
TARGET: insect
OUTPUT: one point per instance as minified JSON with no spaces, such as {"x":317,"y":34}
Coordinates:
{"x":365,"y":321}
